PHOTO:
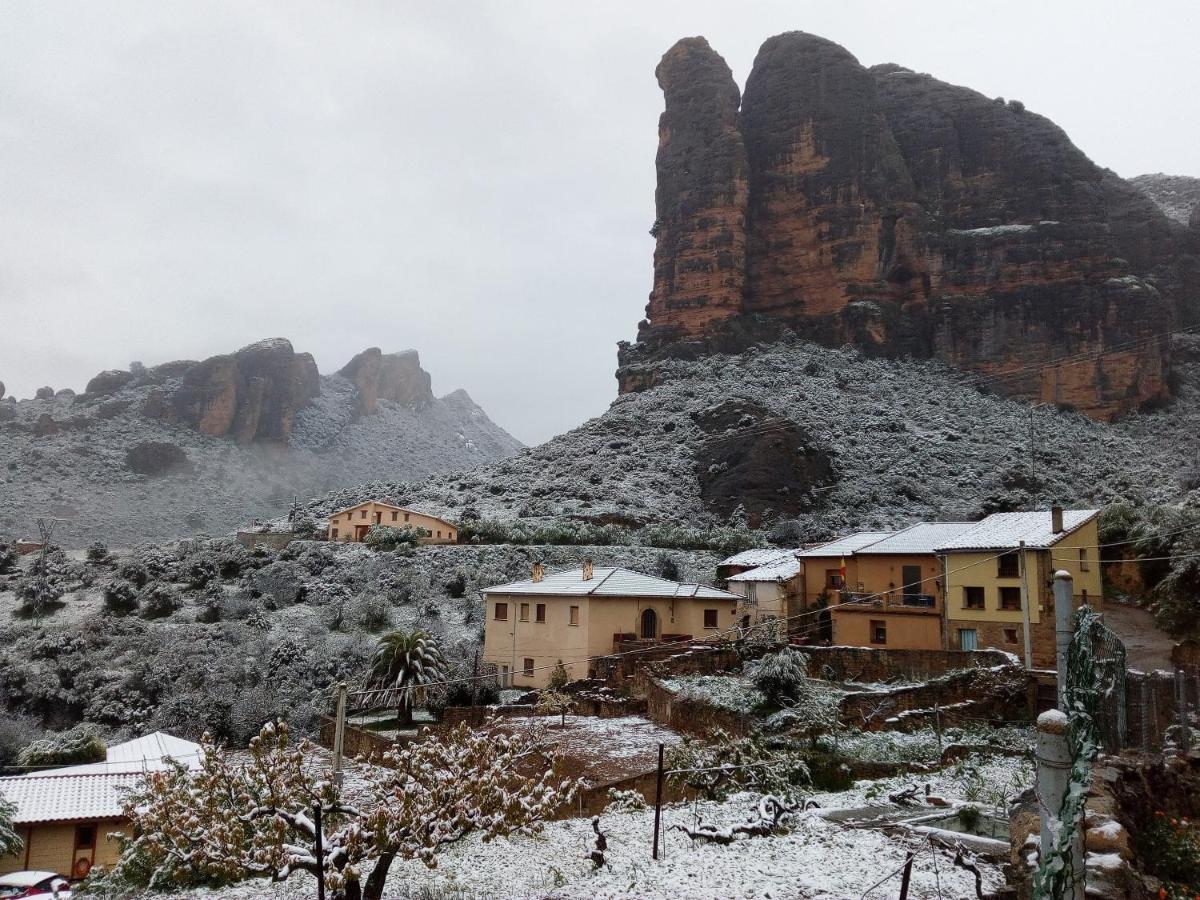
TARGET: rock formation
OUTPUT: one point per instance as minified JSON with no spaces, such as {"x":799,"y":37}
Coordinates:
{"x":396,"y":377}
{"x":1178,"y":196}
{"x":904,"y":215}
{"x":252,"y":395}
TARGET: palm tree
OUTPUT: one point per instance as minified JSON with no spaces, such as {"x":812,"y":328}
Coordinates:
{"x":406,"y":662}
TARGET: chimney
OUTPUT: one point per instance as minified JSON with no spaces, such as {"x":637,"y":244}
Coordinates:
{"x":587,"y":570}
{"x":1056,"y":519}
{"x":539,"y":571}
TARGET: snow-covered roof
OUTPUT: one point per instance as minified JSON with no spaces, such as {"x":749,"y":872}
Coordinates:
{"x":25,"y":879}
{"x":609,"y":581}
{"x":779,"y":570}
{"x":1005,"y":531}
{"x":60,"y":798}
{"x":925,"y":537}
{"x":844,"y":546}
{"x":756,"y":557}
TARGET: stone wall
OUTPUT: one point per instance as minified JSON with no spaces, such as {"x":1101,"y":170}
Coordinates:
{"x":276,"y":540}
{"x":688,"y":716}
{"x":867,"y":664}
{"x":960,"y":698}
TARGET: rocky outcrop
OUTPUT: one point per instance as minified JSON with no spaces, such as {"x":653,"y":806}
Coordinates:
{"x":907,"y":216}
{"x":108,"y":382}
{"x":157,"y":458}
{"x":757,"y":466}
{"x":251,"y":396}
{"x":395,"y":377}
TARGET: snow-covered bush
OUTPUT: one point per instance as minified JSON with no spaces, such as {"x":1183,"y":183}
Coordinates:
{"x":723,"y":765}
{"x":98,"y":555}
{"x":8,"y":557}
{"x":624,"y":801}
{"x":16,"y":732}
{"x":232,"y":820}
{"x":82,"y":744}
{"x":157,"y":600}
{"x":386,"y":537}
{"x":370,"y":612}
{"x":120,"y":598}
{"x":782,"y":676}
{"x":134,"y":572}
{"x":10,"y":841}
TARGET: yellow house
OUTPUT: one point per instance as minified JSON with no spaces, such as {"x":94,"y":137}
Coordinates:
{"x":65,"y":816}
{"x":898,"y":596}
{"x":573,"y":616}
{"x":831,"y":568}
{"x":353,"y":523}
{"x":992,"y":566}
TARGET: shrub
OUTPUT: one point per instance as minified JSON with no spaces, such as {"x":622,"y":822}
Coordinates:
{"x":98,"y":555}
{"x":82,"y":744}
{"x":456,"y":587}
{"x":781,"y":676}
{"x":211,"y":610}
{"x":385,"y":537}
{"x":371,"y":613}
{"x":1170,"y":850}
{"x":134,"y":572}
{"x":120,"y":598}
{"x":8,"y":557}
{"x":667,"y":567}
{"x":157,"y":601}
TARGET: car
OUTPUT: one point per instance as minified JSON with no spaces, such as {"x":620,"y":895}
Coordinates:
{"x":34,"y":886}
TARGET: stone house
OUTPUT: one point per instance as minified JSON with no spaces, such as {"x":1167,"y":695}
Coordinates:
{"x":353,"y":523}
{"x":768,"y":592}
{"x":992,"y":566}
{"x":576,"y":615}
{"x":66,"y":816}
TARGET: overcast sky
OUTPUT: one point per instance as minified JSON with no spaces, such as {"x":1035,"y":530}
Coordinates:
{"x":474,"y":180}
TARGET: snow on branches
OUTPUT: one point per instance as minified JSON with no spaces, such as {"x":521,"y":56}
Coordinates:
{"x":725,"y":764}
{"x":10,"y":841}
{"x":236,"y":818}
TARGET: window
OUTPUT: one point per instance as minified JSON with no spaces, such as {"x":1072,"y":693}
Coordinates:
{"x":505,"y":680}
{"x":335,"y":534}
{"x":501,"y":612}
{"x":1008,"y":565}
{"x":395,"y":515}
{"x":85,"y":837}
{"x":524,"y":612}
{"x":752,"y":592}
{"x":966,"y":639}
{"x":406,"y":517}
{"x":539,"y":613}
{"x":972,"y":598}
{"x":574,"y":615}
{"x":710,"y":618}
{"x":363,"y":514}
{"x":1083,"y":560}
{"x":527,"y":667}
{"x":1010,"y":635}
{"x":878,"y":631}
{"x":833,"y":578}
{"x":439,"y":534}
{"x":1010,"y":598}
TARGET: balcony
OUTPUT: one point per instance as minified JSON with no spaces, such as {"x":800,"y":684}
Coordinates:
{"x":892,"y":600}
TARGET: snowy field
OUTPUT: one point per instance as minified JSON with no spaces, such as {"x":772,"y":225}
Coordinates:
{"x":817,"y":858}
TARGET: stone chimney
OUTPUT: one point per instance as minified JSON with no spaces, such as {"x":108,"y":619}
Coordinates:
{"x":587,"y":570}
{"x":1056,"y":520}
{"x":539,"y":571}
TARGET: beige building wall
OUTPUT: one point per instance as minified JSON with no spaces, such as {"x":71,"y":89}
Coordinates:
{"x":353,"y":524}
{"x":814,"y":578}
{"x":51,"y":847}
{"x":510,"y":642}
{"x":883,"y":573}
{"x":905,"y":629}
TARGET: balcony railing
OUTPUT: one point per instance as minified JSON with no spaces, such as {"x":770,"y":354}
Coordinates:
{"x":890,"y":600}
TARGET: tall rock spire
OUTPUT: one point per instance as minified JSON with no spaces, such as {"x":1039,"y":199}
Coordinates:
{"x":700,"y":202}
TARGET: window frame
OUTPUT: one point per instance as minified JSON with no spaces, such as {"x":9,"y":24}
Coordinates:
{"x":1015,"y":637}
{"x":1009,"y":560}
{"x":1005,"y":605}
{"x":573,"y":616}
{"x":1085,"y":564}
{"x":968,"y":603}
{"x":501,"y":605}
{"x":539,"y":613}
{"x":522,"y":612}
{"x":716,"y":619}
{"x":876,"y":626}
{"x":527,"y":666}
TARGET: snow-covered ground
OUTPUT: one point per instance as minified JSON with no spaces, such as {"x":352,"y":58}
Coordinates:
{"x":817,"y":858}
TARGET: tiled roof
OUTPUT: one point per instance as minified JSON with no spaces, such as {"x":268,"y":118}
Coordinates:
{"x":609,"y":581}
{"x":926,"y":537}
{"x":756,"y":557}
{"x":144,"y":754}
{"x":779,"y":570}
{"x":844,"y":546}
{"x":1005,"y":531}
{"x":58,"y":798}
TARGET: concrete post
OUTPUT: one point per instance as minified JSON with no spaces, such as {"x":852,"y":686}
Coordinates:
{"x":1053,"y":778}
{"x":339,"y":732}
{"x":1064,"y":608}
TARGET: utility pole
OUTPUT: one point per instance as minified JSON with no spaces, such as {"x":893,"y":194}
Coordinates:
{"x":339,"y":733}
{"x":1064,"y":593}
{"x":1025,"y":608}
{"x":658,"y":799}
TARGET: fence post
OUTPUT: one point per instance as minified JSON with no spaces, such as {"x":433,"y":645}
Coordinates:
{"x":1145,"y":713}
{"x":658,"y":799}
{"x":1064,"y":595}
{"x":1053,"y":777}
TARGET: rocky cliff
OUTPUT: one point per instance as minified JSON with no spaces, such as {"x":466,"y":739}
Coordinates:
{"x":397,"y":377}
{"x":907,"y":216}
{"x":1178,"y":196}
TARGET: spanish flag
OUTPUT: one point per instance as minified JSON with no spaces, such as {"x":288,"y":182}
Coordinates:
{"x":842,"y":571}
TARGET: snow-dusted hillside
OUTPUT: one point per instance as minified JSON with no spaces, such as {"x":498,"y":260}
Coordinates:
{"x":1178,"y":196}
{"x":903,"y":440}
{"x":67,"y":457}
